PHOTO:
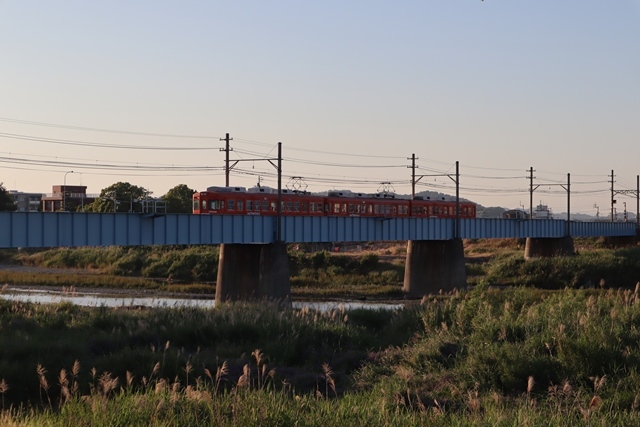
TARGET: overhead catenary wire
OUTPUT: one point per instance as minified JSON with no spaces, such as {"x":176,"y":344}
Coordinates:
{"x":106,"y":165}
{"x":99,"y":145}
{"x":101,"y":130}
{"x":135,"y":168}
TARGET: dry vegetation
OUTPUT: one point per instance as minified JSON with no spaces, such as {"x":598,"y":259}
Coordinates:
{"x":479,"y":358}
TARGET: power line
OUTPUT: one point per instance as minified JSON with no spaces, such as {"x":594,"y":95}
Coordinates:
{"x":97,"y":144}
{"x":84,"y":161}
{"x":89,"y":129}
{"x":333,"y":153}
{"x":105,"y":165}
{"x":318,"y":163}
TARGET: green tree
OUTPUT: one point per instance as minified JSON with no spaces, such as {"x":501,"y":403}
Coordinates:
{"x":127,"y":197}
{"x":7,"y":203}
{"x":179,"y":199}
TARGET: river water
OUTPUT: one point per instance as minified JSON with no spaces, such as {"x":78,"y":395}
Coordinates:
{"x":101,"y":299}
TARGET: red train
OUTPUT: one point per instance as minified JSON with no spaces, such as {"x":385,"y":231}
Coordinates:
{"x":264,"y":201}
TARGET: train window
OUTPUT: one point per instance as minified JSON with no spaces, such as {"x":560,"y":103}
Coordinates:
{"x":369,"y":209}
{"x":351,"y":209}
{"x":204,"y":205}
{"x":289,"y":206}
{"x":272,"y":206}
{"x":240,"y":205}
{"x":336,"y":208}
{"x":305,"y":207}
{"x":296,"y":206}
{"x":249,"y":205}
{"x":344,"y":208}
{"x":216,"y":204}
{"x":446,"y":210}
{"x":312,"y":206}
{"x":256,"y":205}
{"x":231,"y":205}
{"x":376,"y":209}
{"x":327,"y":208}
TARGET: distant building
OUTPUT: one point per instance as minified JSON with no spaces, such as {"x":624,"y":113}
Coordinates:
{"x":26,"y":202}
{"x":542,"y":212}
{"x":515,"y":214}
{"x":66,"y":198}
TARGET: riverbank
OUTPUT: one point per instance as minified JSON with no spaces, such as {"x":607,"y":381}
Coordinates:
{"x":94,"y":281}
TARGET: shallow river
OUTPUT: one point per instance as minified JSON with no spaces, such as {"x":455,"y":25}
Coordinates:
{"x":100,"y":299}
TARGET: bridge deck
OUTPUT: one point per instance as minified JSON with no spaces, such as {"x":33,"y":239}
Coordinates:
{"x":36,"y":229}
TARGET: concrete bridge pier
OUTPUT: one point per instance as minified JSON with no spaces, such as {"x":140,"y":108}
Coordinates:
{"x":433,"y":266}
{"x":253,"y":272}
{"x":548,"y":247}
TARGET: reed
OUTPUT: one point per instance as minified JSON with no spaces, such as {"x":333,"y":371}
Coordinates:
{"x":483,"y":357}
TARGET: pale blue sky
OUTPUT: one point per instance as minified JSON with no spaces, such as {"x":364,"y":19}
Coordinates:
{"x":498,"y":85}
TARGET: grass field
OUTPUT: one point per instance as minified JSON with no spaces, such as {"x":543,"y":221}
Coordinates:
{"x":519,"y":356}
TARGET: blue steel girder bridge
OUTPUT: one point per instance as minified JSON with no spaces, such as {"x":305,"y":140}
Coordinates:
{"x":253,"y":262}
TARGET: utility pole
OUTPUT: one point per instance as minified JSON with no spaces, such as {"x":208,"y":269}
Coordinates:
{"x":457,"y":231}
{"x":568,"y":188}
{"x":635,"y":192}
{"x":531,"y":190}
{"x":278,"y":167}
{"x":226,"y":149}
{"x":456,"y":180}
{"x":613,"y":201}
{"x":279,"y":211}
{"x":413,"y":159}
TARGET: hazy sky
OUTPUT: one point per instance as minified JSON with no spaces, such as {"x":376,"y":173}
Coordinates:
{"x":142,"y":91}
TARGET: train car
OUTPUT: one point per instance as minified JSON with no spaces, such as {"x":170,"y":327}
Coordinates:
{"x":341,"y":203}
{"x":264,"y":201}
{"x":255,"y":201}
{"x":431,"y":208}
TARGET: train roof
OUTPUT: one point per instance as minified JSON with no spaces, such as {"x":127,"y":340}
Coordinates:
{"x":216,"y":189}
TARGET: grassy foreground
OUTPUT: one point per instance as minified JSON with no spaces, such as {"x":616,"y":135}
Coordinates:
{"x":480,"y":358}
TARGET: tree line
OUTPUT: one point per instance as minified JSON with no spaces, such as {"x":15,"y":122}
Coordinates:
{"x":126,"y":197}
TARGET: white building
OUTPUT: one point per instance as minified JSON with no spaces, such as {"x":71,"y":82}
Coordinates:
{"x":26,"y":202}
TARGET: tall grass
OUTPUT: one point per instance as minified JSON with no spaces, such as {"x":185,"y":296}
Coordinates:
{"x":181,"y":263}
{"x":485,"y":357}
{"x":609,"y":268}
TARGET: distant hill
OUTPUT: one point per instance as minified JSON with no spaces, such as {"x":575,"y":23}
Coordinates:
{"x":489,"y":212}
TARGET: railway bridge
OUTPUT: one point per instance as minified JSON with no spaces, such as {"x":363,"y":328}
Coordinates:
{"x":253,"y":258}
